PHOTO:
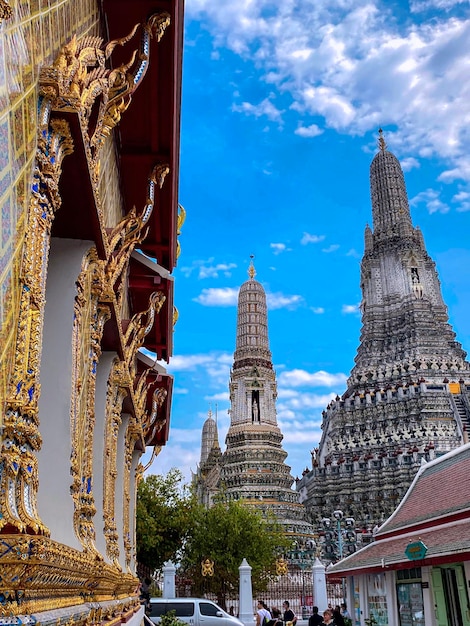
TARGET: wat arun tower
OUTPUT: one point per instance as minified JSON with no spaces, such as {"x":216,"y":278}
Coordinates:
{"x":408,"y":395}
{"x":252,"y":468}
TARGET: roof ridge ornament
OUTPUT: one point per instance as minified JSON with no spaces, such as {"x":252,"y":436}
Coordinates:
{"x":382,"y":144}
{"x":251,"y":269}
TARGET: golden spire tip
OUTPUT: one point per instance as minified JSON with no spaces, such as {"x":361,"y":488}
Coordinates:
{"x":382,"y":144}
{"x":251,"y":269}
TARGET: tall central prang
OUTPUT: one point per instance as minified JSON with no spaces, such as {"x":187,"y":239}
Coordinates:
{"x":408,"y":395}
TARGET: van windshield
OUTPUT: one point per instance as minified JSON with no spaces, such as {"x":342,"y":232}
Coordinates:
{"x":207,"y":608}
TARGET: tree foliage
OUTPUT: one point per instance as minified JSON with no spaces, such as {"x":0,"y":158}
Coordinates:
{"x":226,"y":534}
{"x":163,"y":518}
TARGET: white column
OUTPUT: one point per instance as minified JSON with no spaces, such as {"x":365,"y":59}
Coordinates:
{"x":246,"y":594}
{"x":55,"y":504}
{"x":169,"y":571}
{"x":428,"y":602}
{"x":391,"y":590}
{"x":320,"y":597}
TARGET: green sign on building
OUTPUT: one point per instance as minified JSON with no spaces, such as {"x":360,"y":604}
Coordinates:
{"x":416,"y":550}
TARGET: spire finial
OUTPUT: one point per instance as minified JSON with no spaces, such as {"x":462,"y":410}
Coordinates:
{"x":382,"y":144}
{"x":251,"y":269}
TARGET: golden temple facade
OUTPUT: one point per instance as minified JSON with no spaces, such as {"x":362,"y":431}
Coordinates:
{"x":90,"y":97}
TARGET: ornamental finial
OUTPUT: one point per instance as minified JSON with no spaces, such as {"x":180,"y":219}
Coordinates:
{"x":382,"y":144}
{"x":251,"y":269}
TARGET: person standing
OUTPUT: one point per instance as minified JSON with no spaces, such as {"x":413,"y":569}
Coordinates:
{"x":328,"y":618}
{"x":315,"y":619}
{"x":338,"y":618}
{"x":262,"y":614}
{"x":276,"y":619}
{"x":289,"y":615}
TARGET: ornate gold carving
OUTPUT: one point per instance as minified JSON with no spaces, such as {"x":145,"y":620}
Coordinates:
{"x":21,"y":438}
{"x":40,"y":575}
{"x":157,"y":24}
{"x":132,"y":229}
{"x":179,"y":224}
{"x":140,"y":326}
{"x":80,"y":81}
{"x":5,"y":10}
{"x":89,"y":320}
{"x":152,"y":424}
{"x":118,"y":384}
{"x":132,"y":435}
{"x":207,"y":567}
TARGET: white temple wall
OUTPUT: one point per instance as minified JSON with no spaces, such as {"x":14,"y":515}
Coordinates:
{"x":55,"y":504}
{"x":102,"y":374}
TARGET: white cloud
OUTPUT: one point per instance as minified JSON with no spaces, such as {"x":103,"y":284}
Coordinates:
{"x":460,"y":171}
{"x":430,"y":198}
{"x":462,"y":198}
{"x":318,"y":310}
{"x":302,"y":378}
{"x":303,"y":401}
{"x":332,"y":248}
{"x":417,"y":6}
{"x":277,"y":248}
{"x":409,"y":164}
{"x":218,"y":296}
{"x":264,"y":108}
{"x":307,"y":238}
{"x":219,"y":397}
{"x":214,"y":271}
{"x":208,"y":269}
{"x":309,"y":131}
{"x":187,"y":362}
{"x":356,"y":66}
{"x":280,"y":301}
{"x":184,"y":453}
{"x":350,"y":308}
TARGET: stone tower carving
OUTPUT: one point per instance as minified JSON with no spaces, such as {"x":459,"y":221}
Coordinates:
{"x":206,"y":480}
{"x":408,"y":395}
{"x":253,"y":467}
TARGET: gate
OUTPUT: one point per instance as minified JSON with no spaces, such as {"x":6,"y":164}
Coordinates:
{"x":295,"y":586}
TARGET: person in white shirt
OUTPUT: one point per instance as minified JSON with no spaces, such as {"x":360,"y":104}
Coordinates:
{"x":262,"y":614}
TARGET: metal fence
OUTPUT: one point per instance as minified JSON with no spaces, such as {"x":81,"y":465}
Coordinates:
{"x":296,"y":586}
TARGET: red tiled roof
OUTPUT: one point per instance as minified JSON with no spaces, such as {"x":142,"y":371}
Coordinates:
{"x":440,"y":489}
{"x":435,"y":510}
{"x":442,"y":543}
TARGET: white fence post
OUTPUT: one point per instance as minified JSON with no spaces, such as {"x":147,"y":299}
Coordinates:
{"x":245,"y":612}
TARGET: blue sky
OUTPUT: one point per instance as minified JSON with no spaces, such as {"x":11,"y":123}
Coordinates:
{"x":282,"y":100}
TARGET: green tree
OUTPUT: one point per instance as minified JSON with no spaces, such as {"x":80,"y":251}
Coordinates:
{"x":163,"y":518}
{"x":226,"y":534}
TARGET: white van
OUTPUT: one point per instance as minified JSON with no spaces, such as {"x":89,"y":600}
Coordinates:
{"x":193,"y":611}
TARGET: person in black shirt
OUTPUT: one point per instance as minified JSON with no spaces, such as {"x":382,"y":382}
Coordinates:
{"x":338,"y":618}
{"x":315,"y":619}
{"x":288,"y":613}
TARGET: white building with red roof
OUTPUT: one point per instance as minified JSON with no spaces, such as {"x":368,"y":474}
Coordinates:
{"x":417,"y":570}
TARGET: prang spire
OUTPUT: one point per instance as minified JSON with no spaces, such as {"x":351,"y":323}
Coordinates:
{"x":390,"y":208}
{"x":408,"y":395}
{"x":252,"y":344}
